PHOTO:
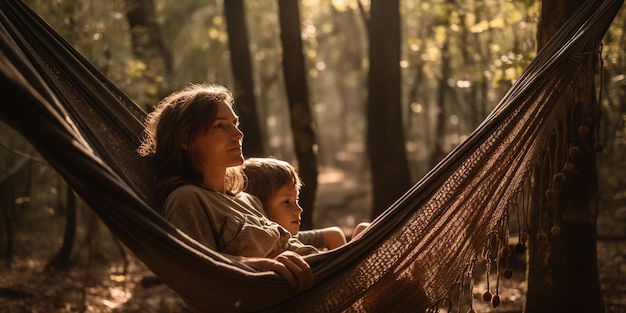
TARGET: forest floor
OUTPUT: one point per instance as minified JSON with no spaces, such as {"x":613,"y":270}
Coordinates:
{"x":103,"y":285}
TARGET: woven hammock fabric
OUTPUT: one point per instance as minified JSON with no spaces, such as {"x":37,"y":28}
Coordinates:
{"x":408,"y":260}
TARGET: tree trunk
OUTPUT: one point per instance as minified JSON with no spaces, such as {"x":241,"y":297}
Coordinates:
{"x":385,"y":136}
{"x":147,"y":43}
{"x":562,"y":260}
{"x":305,"y":141}
{"x":7,"y":200}
{"x":7,"y":207}
{"x":62,"y":258}
{"x":242,"y":71}
{"x":441,"y":109}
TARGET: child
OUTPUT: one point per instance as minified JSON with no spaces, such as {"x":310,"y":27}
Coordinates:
{"x":277,"y":184}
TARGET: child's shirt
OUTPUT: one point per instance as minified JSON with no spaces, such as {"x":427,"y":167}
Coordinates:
{"x":313,"y":237}
{"x":235,"y":225}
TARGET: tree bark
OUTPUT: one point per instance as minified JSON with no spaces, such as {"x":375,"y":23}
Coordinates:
{"x":441,"y":109}
{"x":304,"y":136}
{"x":7,"y":201}
{"x":245,"y":103}
{"x":385,"y":135}
{"x":147,"y":43}
{"x":62,"y":258}
{"x":562,"y":260}
{"x":7,"y":207}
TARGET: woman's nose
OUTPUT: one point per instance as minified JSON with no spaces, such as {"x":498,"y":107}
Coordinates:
{"x":237,"y":134}
{"x":299,"y":208}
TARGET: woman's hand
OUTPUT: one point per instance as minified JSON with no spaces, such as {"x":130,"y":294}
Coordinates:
{"x":289,"y":265}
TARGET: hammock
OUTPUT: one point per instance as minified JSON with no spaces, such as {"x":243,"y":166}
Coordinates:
{"x":408,"y":260}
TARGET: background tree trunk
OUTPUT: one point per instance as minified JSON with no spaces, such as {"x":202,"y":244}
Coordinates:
{"x":7,"y":203}
{"x":441,"y":108}
{"x":62,"y":258}
{"x":305,"y":141}
{"x":242,"y":72}
{"x":147,"y":43}
{"x":7,"y":207}
{"x":562,"y":259}
{"x":385,"y":136}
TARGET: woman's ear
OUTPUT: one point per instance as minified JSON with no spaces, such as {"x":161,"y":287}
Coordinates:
{"x":184,"y":146}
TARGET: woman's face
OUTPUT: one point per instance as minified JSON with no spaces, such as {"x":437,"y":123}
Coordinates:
{"x":284,"y":209}
{"x":220,"y":146}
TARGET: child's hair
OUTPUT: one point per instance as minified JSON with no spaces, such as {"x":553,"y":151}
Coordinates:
{"x":264,"y":176}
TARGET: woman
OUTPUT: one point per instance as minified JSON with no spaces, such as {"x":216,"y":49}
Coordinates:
{"x":193,"y":138}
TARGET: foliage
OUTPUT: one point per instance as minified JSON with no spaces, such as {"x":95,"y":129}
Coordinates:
{"x":335,"y":46}
{"x":491,"y":42}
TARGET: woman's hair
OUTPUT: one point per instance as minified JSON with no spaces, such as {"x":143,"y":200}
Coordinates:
{"x":264,"y":176}
{"x":178,"y":119}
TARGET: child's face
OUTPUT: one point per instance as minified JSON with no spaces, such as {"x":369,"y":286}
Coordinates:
{"x":283,"y":208}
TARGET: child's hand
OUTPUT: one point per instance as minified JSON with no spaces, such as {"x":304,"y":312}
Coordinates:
{"x":289,"y":265}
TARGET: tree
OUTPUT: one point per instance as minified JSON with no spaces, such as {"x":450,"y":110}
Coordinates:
{"x":242,"y":72}
{"x":7,"y":206}
{"x":61,"y":259}
{"x":562,"y":261}
{"x":442,"y":93}
{"x":385,"y":136}
{"x":304,"y":137}
{"x":147,"y":43}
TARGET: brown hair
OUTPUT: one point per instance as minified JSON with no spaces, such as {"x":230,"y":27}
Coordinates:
{"x":177,"y":119}
{"x":264,"y":176}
